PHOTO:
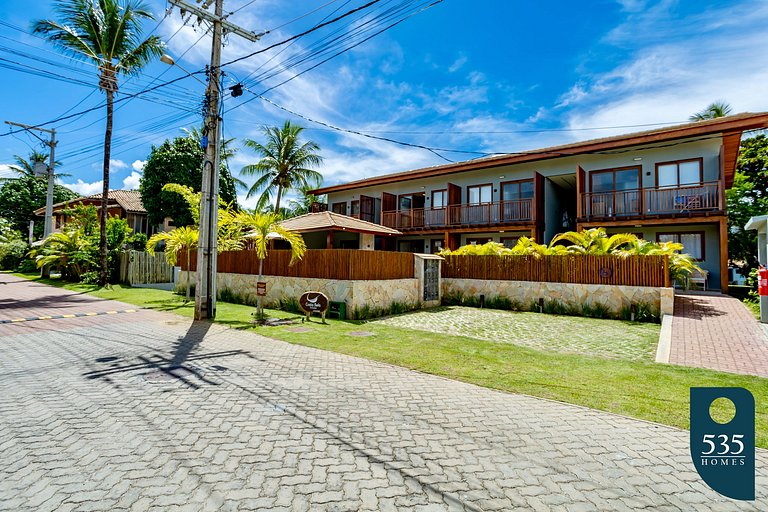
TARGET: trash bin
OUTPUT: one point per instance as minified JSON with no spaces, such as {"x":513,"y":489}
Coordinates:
{"x":337,"y":310}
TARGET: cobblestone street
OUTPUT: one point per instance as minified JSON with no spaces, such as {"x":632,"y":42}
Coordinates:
{"x":150,"y":411}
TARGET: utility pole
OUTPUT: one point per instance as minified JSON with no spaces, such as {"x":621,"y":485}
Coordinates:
{"x":207,"y":246}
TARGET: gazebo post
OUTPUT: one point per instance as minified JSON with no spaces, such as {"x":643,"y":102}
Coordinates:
{"x":329,"y":240}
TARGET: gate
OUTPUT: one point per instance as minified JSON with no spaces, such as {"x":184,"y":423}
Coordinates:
{"x":431,"y":279}
{"x":138,"y":268}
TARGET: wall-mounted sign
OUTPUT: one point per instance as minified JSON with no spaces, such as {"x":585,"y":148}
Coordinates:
{"x":261,"y":289}
{"x":605,"y":272}
{"x":314,"y":302}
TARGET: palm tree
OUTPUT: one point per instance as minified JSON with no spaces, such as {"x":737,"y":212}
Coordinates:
{"x":263,"y":227}
{"x":177,"y":240}
{"x":70,"y":250}
{"x":713,"y":111}
{"x":286,"y":163}
{"x":25,"y":167}
{"x":593,"y":241}
{"x":108,"y":33}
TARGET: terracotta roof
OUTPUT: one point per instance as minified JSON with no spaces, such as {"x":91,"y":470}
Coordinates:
{"x":730,"y":126}
{"x":128,"y":200}
{"x":323,"y":221}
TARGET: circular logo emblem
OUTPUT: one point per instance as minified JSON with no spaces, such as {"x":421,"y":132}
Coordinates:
{"x":605,"y":272}
{"x":313,"y":302}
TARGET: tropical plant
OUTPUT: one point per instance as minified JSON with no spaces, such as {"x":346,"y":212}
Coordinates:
{"x":70,"y":250}
{"x":592,"y":241}
{"x":263,"y":227}
{"x":180,"y":239}
{"x":303,"y":204}
{"x":713,"y":111}
{"x":108,"y":33}
{"x":286,"y":164}
{"x":25,"y":168}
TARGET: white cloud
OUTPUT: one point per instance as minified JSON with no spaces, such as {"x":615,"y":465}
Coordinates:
{"x":6,"y":172}
{"x":679,"y":67}
{"x":131,"y":182}
{"x":138,"y":165}
{"x":84,"y":188}
{"x":117,"y":165}
{"x":458,"y":64}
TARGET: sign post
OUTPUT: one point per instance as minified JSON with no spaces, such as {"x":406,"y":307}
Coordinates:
{"x":314,"y":302}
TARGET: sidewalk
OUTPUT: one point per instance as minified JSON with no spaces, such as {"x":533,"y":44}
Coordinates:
{"x":719,"y":333}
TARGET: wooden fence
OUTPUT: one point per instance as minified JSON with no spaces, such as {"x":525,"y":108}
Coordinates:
{"x":141,"y":268}
{"x":631,"y":271}
{"x":342,"y":264}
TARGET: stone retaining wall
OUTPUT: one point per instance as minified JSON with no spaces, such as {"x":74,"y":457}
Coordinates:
{"x":356,"y":294}
{"x":613,"y":296}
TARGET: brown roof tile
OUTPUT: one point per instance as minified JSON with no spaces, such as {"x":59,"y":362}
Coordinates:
{"x":322,"y":221}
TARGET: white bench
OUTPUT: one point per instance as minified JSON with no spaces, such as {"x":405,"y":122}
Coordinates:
{"x":699,"y":278}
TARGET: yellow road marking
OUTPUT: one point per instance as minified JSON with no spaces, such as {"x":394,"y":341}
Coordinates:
{"x":91,"y":314}
{"x":68,"y":316}
{"x":44,"y":318}
{"x":111,"y":312}
{"x":18,"y":319}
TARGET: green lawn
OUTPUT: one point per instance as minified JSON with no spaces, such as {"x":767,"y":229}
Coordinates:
{"x":639,"y":389}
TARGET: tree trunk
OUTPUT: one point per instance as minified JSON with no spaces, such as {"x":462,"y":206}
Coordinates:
{"x":103,"y":270}
{"x":259,"y":313}
{"x":277,"y":203}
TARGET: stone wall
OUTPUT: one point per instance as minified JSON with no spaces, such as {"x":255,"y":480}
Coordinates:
{"x":356,"y":294}
{"x":613,"y":296}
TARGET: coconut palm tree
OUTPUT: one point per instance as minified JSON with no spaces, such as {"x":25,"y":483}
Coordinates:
{"x":177,"y":240}
{"x":713,"y":111}
{"x":107,"y":33}
{"x":286,"y":164}
{"x":25,"y":167}
{"x":263,"y":227}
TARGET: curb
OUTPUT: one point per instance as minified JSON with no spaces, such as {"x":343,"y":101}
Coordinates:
{"x":665,"y":340}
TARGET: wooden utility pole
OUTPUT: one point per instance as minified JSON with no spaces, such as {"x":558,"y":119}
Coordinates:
{"x":207,"y":246}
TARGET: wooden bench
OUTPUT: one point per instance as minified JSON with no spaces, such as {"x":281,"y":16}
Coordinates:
{"x":699,"y":278}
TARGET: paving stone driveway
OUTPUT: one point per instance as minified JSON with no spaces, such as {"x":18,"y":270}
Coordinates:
{"x":167,"y":414}
{"x":587,"y":336}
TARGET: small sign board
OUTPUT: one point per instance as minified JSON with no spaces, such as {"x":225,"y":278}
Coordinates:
{"x":314,"y":302}
{"x":261,"y":289}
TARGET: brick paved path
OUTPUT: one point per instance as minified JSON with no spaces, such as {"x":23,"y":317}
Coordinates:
{"x":717,"y":332}
{"x":167,"y":414}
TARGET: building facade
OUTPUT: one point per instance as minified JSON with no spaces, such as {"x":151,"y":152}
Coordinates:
{"x":666,"y":184}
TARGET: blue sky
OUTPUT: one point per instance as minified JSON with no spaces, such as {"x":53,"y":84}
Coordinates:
{"x":479,"y":76}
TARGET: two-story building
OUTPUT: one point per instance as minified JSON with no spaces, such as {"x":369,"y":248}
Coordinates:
{"x":666,"y":184}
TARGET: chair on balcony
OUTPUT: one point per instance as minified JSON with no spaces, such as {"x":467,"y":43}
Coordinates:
{"x":685,"y":202}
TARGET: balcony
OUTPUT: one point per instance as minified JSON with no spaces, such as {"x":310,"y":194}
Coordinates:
{"x":652,"y":202}
{"x":487,"y":214}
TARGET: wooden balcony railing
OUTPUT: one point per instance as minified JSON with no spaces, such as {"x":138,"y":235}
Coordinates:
{"x":501,"y":212}
{"x":652,"y":201}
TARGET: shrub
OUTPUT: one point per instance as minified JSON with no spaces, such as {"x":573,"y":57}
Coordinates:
{"x":396,"y":308}
{"x":290,"y":305}
{"x":12,"y":253}
{"x":26,"y":266}
{"x":499,"y":302}
{"x":596,"y":310}
{"x":90,"y":277}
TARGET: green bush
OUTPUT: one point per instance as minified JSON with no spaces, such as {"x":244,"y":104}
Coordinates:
{"x":396,"y":308}
{"x":12,"y":253}
{"x":27,"y":266}
{"x":90,"y":277}
{"x":596,"y":310}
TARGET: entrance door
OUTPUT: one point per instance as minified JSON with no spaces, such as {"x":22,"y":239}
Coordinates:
{"x":436,"y":245}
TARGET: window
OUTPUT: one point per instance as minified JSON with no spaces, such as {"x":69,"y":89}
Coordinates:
{"x":509,"y":241}
{"x":693,"y":243}
{"x":411,"y":201}
{"x":439,"y":199}
{"x":339,"y":208}
{"x":676,"y":174}
{"x":355,"y":209}
{"x":479,"y":194}
{"x":514,"y":190}
{"x":609,"y":180}
{"x":478,"y":241}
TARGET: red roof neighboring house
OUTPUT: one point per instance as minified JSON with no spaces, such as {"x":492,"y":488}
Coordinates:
{"x":125,"y":204}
